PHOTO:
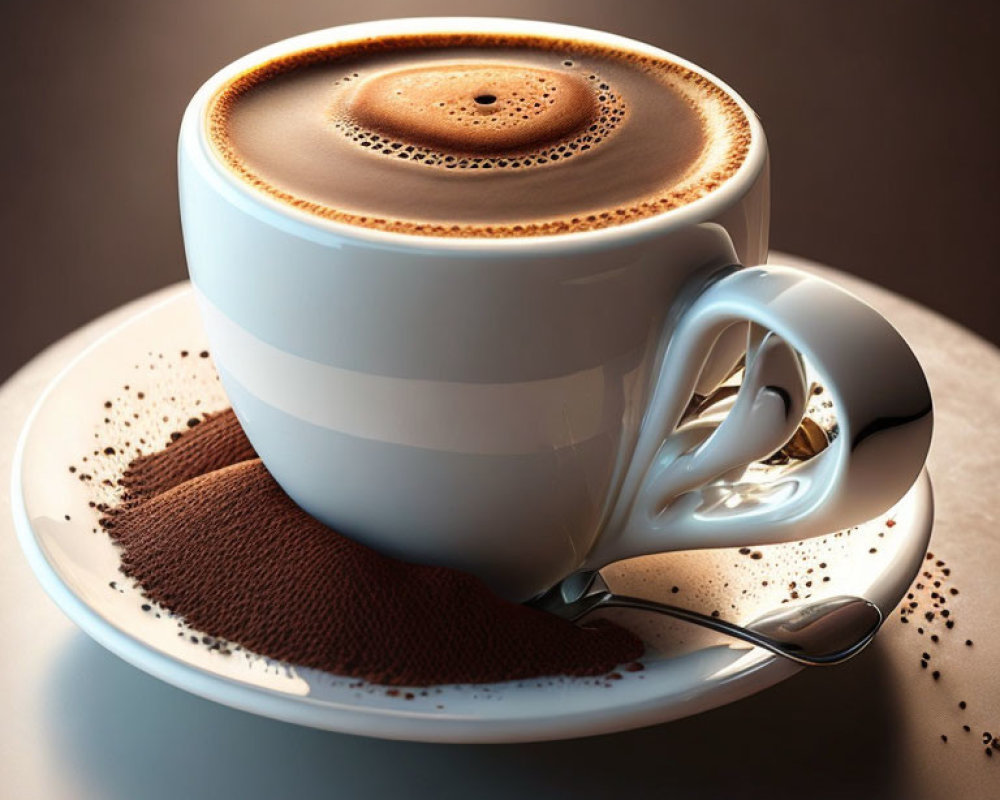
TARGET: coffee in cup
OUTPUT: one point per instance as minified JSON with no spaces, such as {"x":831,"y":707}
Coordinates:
{"x":466,"y":134}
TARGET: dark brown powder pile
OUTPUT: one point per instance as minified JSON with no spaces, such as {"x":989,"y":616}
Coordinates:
{"x":208,"y":534}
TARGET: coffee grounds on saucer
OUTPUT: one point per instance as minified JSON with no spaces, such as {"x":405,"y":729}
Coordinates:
{"x":208,"y":534}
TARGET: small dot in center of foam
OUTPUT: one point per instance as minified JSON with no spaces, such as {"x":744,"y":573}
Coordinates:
{"x":446,"y":106}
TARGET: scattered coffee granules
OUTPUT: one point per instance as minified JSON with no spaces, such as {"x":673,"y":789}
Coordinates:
{"x":209,"y":535}
{"x":928,"y":590}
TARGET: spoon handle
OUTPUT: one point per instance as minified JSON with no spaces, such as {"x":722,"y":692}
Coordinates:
{"x":796,"y":634}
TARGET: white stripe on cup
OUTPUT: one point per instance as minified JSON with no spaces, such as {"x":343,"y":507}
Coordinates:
{"x":475,"y":418}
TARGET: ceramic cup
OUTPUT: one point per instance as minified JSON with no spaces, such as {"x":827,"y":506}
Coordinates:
{"x":513,"y":407}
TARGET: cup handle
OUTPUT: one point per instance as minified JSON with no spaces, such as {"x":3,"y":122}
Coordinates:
{"x":684,"y":487}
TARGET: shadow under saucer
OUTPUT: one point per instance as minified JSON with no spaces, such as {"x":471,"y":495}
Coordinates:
{"x":120,"y":733}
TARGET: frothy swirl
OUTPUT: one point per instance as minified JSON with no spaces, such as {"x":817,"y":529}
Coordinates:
{"x":479,"y":116}
{"x":400,"y":134}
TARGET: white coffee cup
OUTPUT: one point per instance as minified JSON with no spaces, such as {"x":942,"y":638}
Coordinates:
{"x":510,"y":406}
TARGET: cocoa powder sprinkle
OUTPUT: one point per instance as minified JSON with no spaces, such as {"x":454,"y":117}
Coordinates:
{"x":210,"y":536}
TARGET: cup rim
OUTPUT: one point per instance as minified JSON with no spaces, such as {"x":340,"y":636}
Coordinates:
{"x":194,"y":139}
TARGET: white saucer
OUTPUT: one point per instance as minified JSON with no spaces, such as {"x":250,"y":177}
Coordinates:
{"x":687,"y":670}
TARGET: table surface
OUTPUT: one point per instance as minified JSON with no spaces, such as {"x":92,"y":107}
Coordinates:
{"x":79,"y":723}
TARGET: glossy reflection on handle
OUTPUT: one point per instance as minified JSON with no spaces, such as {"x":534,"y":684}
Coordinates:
{"x":881,"y":397}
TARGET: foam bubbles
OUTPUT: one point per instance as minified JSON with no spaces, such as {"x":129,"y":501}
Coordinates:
{"x":644,"y":135}
{"x":488,"y":116}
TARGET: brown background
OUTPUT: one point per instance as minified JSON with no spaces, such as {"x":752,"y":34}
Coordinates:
{"x":882,"y":119}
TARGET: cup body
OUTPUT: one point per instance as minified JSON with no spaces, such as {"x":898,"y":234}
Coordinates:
{"x":474,"y":402}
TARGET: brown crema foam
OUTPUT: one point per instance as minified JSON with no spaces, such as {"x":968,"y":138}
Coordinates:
{"x":468,"y":134}
{"x":208,"y":534}
{"x":474,"y":109}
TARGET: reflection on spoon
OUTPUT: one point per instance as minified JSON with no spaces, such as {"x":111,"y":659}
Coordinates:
{"x":820,"y":632}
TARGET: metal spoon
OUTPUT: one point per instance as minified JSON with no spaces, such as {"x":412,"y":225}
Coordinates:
{"x":820,"y":632}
